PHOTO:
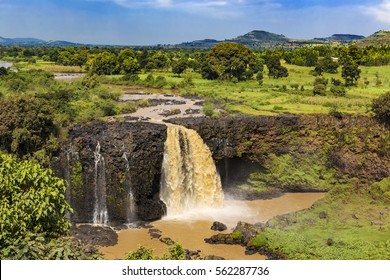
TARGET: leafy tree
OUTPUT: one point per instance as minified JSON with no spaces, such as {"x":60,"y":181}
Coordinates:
{"x":302,"y":57}
{"x":128,"y":62}
{"x":179,"y":66}
{"x":160,"y":61}
{"x":102,"y":64}
{"x":381,"y":107}
{"x":275,"y":69}
{"x":327,"y":65}
{"x":32,"y":201}
{"x":350,"y":72}
{"x":27,"y":124}
{"x":226,"y":61}
{"x":320,"y":86}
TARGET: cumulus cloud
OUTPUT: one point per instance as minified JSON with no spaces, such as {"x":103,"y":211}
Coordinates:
{"x":381,"y":12}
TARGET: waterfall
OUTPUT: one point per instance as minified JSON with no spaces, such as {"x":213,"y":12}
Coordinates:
{"x":68,"y":196}
{"x":100,"y":215}
{"x":189,"y":177}
{"x":131,"y":206}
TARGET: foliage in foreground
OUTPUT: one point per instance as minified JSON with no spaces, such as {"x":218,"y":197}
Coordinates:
{"x":175,"y":252}
{"x":32,"y":201}
{"x":39,"y":247}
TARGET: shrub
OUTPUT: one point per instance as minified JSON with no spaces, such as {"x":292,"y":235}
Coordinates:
{"x":160,"y":82}
{"x":259,"y":241}
{"x":338,"y":90}
{"x":32,"y":200}
{"x":319,"y":89}
{"x":237,"y":235}
{"x":208,"y":109}
{"x":142,"y":253}
{"x":381,"y":107}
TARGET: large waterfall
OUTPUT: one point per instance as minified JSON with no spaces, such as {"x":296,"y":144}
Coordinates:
{"x":100,"y":215}
{"x":189,"y":177}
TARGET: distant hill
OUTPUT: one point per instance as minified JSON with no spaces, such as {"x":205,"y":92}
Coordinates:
{"x":253,"y":39}
{"x":379,"y":38}
{"x":199,"y":44}
{"x":342,"y":38}
{"x":20,"y":41}
{"x":257,"y":38}
{"x":31,"y":42}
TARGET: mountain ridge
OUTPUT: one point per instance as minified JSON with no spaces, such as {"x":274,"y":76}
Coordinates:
{"x":253,"y":39}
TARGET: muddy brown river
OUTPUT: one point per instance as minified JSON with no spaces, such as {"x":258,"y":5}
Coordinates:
{"x":191,"y":229}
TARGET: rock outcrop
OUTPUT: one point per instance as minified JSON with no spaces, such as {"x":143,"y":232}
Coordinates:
{"x":358,"y":146}
{"x":132,"y":154}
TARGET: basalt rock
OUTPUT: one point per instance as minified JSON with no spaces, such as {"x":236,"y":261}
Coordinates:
{"x":355,"y":145}
{"x":221,"y":238}
{"x":218,"y":226}
{"x":249,"y":231}
{"x":95,"y":235}
{"x":132,"y":154}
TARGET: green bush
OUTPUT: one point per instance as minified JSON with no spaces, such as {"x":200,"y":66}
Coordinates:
{"x":208,"y":109}
{"x":259,"y":241}
{"x":237,"y":235}
{"x":381,"y":107}
{"x":38,"y":247}
{"x":338,"y":90}
{"x":32,"y":201}
{"x":142,"y":253}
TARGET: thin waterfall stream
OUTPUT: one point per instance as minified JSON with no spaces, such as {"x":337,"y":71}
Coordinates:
{"x":131,"y":207}
{"x":100,"y":215}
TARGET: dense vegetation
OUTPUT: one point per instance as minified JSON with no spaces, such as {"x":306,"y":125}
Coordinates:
{"x":32,"y":213}
{"x":36,"y":110}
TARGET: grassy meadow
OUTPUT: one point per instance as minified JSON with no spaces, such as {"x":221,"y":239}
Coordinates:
{"x":293,"y":94}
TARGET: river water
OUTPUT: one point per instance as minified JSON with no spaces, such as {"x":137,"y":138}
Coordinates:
{"x":191,"y":229}
{"x":6,"y":64}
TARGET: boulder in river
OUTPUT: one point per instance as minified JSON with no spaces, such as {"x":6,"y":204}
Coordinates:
{"x":218,"y":226}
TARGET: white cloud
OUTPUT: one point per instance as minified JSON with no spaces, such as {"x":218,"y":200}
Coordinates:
{"x":381,"y":12}
{"x":214,"y":7}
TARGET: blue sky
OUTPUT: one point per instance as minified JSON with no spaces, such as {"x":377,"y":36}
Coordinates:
{"x":136,"y":22}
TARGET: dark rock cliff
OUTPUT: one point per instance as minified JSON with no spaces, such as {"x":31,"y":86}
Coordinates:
{"x":357,"y":146}
{"x":132,"y":155}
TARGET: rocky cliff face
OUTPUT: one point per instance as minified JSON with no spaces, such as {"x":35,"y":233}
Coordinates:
{"x":132,"y":155}
{"x":358,"y":146}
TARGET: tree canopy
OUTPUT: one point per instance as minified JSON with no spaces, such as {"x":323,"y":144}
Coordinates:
{"x":226,"y":61}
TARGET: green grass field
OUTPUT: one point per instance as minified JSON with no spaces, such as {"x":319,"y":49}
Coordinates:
{"x":276,"y":96}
